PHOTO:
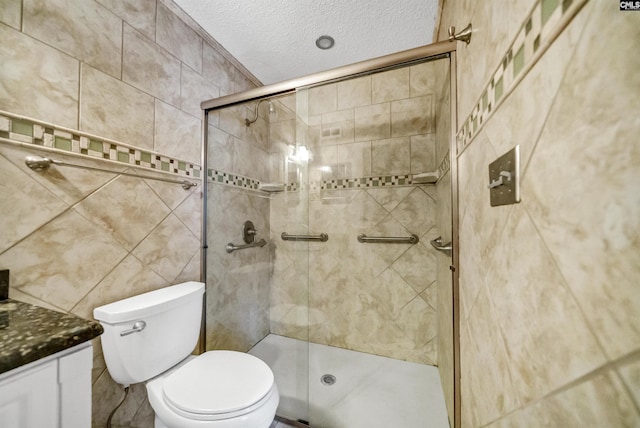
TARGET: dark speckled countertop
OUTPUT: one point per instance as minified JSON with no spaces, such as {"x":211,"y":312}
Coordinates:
{"x":28,"y":333}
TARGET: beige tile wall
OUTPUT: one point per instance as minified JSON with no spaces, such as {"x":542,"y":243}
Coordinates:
{"x":549,"y":287}
{"x":380,"y":299}
{"x":133,"y":71}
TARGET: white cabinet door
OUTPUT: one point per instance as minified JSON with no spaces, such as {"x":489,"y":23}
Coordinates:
{"x":30,"y":399}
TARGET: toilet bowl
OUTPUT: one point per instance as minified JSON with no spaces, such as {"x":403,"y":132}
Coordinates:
{"x":148,"y":338}
{"x":216,"y":389}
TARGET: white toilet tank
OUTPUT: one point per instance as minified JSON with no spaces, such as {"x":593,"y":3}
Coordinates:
{"x":171,"y":318}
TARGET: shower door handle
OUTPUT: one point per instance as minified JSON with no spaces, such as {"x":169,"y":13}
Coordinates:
{"x":438,"y":245}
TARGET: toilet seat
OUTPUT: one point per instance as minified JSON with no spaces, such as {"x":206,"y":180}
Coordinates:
{"x":218,"y":385}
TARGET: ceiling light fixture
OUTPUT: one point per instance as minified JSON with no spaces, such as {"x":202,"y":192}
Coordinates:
{"x":325,"y":42}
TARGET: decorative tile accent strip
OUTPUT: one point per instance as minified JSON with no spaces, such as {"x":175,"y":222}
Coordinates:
{"x":44,"y":135}
{"x":545,"y":22}
{"x":235,"y":180}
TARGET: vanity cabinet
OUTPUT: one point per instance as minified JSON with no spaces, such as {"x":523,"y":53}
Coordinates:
{"x":53,"y":392}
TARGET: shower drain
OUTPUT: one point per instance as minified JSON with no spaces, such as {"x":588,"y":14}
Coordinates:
{"x":328,"y":379}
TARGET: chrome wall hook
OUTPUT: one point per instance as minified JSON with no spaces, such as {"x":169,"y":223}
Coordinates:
{"x":463,"y":36}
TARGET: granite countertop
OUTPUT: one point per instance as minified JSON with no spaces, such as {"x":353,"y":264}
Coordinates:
{"x":29,"y":332}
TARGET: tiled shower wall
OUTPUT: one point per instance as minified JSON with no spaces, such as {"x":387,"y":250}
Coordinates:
{"x":550,"y":333}
{"x":130,"y":71}
{"x":238,"y":283}
{"x":376,"y":298}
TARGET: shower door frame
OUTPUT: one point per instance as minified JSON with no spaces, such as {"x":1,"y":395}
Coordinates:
{"x":387,"y":62}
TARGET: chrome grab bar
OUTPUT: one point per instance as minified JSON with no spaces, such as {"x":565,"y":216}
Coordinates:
{"x":323,"y":237}
{"x":137,"y":327}
{"x":364,"y":239}
{"x":438,"y":245}
{"x":230,"y":248}
{"x":39,"y":164}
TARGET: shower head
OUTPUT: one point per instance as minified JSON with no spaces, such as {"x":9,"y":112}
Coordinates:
{"x":272,"y":110}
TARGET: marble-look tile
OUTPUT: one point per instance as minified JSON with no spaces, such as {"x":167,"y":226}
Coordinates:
{"x":190,"y":213}
{"x":354,"y":93}
{"x":11,"y":13}
{"x":485,"y":369}
{"x":390,"y":198}
{"x":17,"y":209}
{"x":195,"y":89}
{"x":150,"y":68}
{"x":599,"y":401}
{"x":37,"y":80}
{"x":258,"y":133}
{"x":412,"y":116}
{"x":168,"y":248}
{"x":590,"y":222}
{"x":417,"y":266}
{"x":390,"y":85}
{"x":85,"y":30}
{"x":192,"y":271}
{"x":69,"y":184}
{"x":177,"y":134}
{"x":113,"y":109}
{"x":16,"y":294}
{"x":170,"y":193}
{"x":373,"y":122}
{"x":282,"y":132}
{"x":533,"y":300}
{"x":424,"y":78}
{"x":105,"y":391}
{"x":221,"y":150}
{"x":144,"y":417}
{"x":416,"y":212}
{"x":479,"y":222}
{"x":522,"y":116}
{"x":250,"y":161}
{"x":391,"y":156}
{"x":128,"y":279}
{"x":356,"y":159}
{"x":63,"y":260}
{"x":486,"y":55}
{"x":178,"y":38}
{"x":217,"y":70}
{"x":232,"y":120}
{"x":323,"y":99}
{"x":140,"y":14}
{"x":630,"y":374}
{"x":337,"y":127}
{"x":133,"y":210}
{"x":418,"y":321}
{"x":423,"y":153}
{"x":391,"y":292}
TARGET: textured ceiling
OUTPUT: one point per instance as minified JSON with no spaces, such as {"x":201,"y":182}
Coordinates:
{"x":275,"y":39}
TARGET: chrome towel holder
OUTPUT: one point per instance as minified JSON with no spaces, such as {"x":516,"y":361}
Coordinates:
{"x":39,"y":164}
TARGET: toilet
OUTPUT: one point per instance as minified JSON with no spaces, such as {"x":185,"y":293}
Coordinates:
{"x":149,"y":338}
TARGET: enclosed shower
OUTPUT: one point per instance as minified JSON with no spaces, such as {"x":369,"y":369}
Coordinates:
{"x":328,"y":226}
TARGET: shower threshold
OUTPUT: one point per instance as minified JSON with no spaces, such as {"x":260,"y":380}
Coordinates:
{"x":364,"y":390}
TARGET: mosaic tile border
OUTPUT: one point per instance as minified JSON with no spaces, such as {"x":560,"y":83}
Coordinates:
{"x":547,"y":19}
{"x":221,"y":177}
{"x":44,"y":135}
{"x":355,"y":183}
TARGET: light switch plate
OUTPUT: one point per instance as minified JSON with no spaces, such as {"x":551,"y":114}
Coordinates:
{"x":504,"y":178}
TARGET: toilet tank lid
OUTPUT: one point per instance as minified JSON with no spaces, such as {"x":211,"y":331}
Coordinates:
{"x":142,"y":305}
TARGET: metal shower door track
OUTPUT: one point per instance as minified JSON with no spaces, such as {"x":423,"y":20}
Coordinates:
{"x":348,"y":71}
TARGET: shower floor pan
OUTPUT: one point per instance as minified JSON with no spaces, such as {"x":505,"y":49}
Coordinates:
{"x":349,"y":389}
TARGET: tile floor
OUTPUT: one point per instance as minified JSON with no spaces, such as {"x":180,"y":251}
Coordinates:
{"x":369,"y":391}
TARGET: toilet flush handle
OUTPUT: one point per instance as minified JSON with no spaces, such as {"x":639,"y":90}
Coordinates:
{"x":137,"y":326}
